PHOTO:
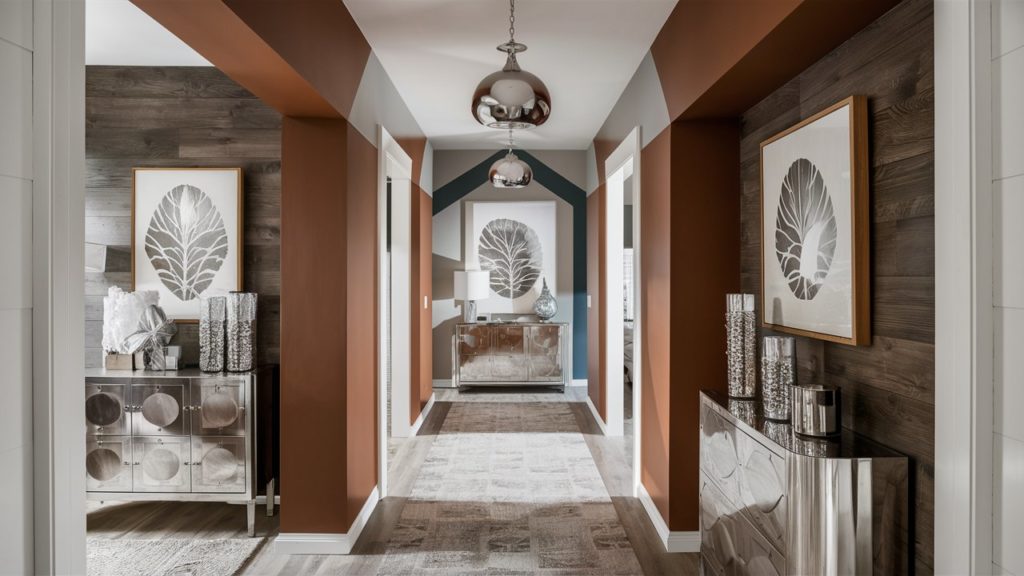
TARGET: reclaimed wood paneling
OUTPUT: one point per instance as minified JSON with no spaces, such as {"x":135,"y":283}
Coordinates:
{"x":180,"y":117}
{"x":888,"y":387}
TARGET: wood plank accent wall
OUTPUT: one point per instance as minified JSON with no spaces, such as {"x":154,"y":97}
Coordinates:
{"x":180,"y":116}
{"x":888,"y":388}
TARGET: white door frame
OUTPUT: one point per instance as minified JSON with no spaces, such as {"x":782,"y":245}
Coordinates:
{"x":625,"y":158}
{"x":58,"y":268}
{"x":963,"y":288}
{"x":394,"y":163}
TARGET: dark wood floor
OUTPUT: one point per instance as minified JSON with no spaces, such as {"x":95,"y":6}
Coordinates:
{"x":214,"y":520}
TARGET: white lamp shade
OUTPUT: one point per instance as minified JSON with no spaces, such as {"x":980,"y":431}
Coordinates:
{"x":472,"y":284}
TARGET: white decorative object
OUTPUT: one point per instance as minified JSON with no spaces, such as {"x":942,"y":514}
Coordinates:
{"x":122,"y":312}
{"x":186,"y":235}
{"x":517,"y":243}
{"x":470,"y":286}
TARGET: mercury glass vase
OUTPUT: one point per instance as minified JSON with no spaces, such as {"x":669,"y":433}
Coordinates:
{"x":545,"y":307}
{"x":241,"y":331}
{"x":741,"y":345}
{"x":212,"y":319}
{"x":778,"y":374}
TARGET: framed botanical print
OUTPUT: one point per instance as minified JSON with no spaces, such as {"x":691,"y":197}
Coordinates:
{"x":186,"y":235}
{"x":815,"y":253}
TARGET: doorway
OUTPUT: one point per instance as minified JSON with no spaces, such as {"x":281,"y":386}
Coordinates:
{"x":623,"y":345}
{"x":394,"y":375}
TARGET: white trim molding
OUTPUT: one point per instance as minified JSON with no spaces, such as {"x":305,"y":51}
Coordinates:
{"x":299,"y":543}
{"x":444,"y":383}
{"x":673,"y":541}
{"x":423,"y":415}
{"x":579,"y":382}
{"x":597,"y":416}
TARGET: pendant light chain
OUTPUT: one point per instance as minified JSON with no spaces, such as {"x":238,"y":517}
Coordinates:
{"x":512,"y":21}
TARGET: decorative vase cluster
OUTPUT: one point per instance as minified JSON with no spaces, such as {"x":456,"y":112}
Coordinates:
{"x":227,"y":333}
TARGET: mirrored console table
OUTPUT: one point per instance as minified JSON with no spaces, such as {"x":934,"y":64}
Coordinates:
{"x":773,"y":502}
{"x":511,"y":354}
{"x":180,"y":435}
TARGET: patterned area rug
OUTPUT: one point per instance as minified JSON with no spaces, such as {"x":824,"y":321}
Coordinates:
{"x":169,"y":556}
{"x":509,"y":489}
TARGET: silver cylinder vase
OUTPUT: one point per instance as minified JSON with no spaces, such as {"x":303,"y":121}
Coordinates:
{"x":778,"y":374}
{"x":741,"y":346}
{"x":241,"y":331}
{"x":212,"y":327}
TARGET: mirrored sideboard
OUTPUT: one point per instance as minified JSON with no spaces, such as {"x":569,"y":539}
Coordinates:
{"x":511,"y":354}
{"x":776,"y":503}
{"x":180,"y":435}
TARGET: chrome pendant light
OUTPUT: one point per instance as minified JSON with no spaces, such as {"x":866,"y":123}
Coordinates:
{"x":510,"y":171}
{"x":511,"y":98}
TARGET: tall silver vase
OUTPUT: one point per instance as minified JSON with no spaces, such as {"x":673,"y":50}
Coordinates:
{"x":741,"y":347}
{"x":212,"y":324}
{"x":241,"y":333}
{"x":778,"y":373}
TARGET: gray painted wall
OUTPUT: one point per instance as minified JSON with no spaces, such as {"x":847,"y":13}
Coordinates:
{"x":449,"y":230}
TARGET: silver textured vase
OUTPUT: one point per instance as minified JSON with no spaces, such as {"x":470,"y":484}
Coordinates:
{"x":241,"y":331}
{"x":545,"y":307}
{"x":212,"y":325}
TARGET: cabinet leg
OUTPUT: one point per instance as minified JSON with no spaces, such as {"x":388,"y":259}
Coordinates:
{"x":250,"y":509}
{"x":270,"y":496}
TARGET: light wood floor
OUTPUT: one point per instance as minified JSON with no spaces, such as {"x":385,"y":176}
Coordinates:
{"x":210,"y":520}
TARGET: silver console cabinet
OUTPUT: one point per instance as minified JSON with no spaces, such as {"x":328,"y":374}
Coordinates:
{"x":773,"y":502}
{"x":507,"y":354}
{"x":178,"y":435}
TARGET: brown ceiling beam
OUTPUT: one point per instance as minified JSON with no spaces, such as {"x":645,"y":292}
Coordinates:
{"x":717,"y":58}
{"x":303,"y":57}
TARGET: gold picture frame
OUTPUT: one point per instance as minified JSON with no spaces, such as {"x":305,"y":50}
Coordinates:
{"x":173,"y":310}
{"x":857,"y":225}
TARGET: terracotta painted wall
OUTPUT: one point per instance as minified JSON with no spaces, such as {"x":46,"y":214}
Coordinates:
{"x":596,"y":332}
{"x":422,"y":385}
{"x":314,"y":319}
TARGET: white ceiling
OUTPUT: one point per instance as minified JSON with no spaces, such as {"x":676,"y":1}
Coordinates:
{"x":436,"y":51}
{"x":118,"y":33}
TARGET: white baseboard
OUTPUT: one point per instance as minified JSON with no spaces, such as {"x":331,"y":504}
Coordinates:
{"x":320,"y":543}
{"x":444,"y":383}
{"x":423,"y":415}
{"x":673,"y":541}
{"x":580,"y":382}
{"x":593,"y":410}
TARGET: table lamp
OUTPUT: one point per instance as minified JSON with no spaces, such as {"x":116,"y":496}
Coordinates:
{"x":470,"y":286}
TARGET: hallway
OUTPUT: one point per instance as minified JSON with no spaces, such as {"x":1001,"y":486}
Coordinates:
{"x":503,"y":483}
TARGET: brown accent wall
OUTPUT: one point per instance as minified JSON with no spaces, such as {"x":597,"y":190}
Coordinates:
{"x":423,"y":333}
{"x":179,"y":117}
{"x":362,"y":325}
{"x":889,"y":387}
{"x":415,"y":148}
{"x":314,"y":326}
{"x":705,"y":236}
{"x":655,"y":309}
{"x":596,"y":321}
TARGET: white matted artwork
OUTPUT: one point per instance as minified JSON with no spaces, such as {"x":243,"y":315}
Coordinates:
{"x":516,"y":241}
{"x":186,"y":235}
{"x":814,"y":226}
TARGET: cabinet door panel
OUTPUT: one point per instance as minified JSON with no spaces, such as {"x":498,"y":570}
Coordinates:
{"x":106,"y":408}
{"x":161,"y":464}
{"x":108,"y":464}
{"x":218,"y":406}
{"x":218,"y":464}
{"x":545,"y":354}
{"x":159,"y":407}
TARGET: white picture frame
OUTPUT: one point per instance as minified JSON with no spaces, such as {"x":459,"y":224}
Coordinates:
{"x":186,"y":235}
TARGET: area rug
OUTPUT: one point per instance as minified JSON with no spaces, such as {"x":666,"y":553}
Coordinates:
{"x":169,"y":556}
{"x":509,"y":489}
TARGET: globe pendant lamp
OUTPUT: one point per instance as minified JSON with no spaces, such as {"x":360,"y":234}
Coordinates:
{"x":511,"y":98}
{"x":510,"y":171}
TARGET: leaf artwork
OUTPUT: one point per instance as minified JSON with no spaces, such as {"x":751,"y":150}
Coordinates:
{"x":511,"y":251}
{"x":805,"y":230}
{"x":186,"y":241}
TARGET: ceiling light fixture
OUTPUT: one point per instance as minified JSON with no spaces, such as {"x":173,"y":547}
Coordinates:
{"x":510,"y":171}
{"x":512,"y":97}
